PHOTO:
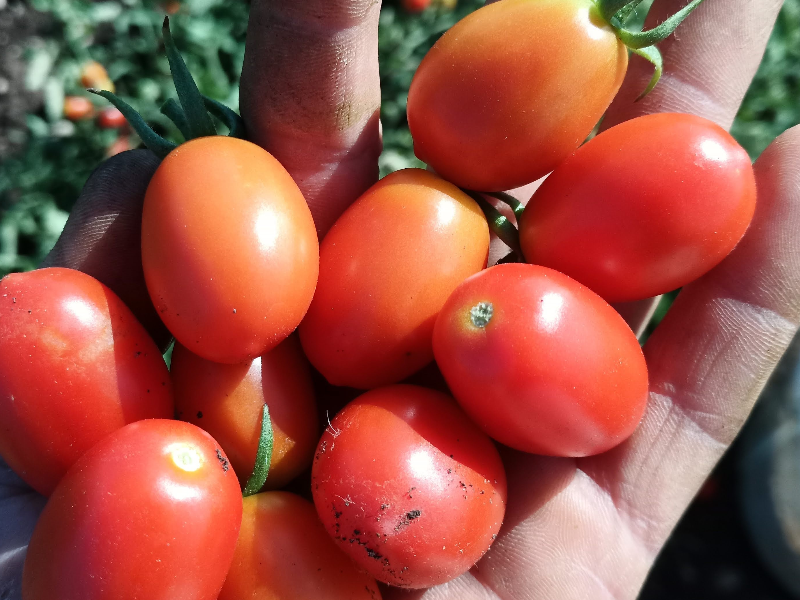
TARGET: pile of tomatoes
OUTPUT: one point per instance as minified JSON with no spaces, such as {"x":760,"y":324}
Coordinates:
{"x":407,"y":484}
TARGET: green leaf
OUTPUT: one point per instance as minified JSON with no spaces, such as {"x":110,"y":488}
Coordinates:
{"x":229,"y":118}
{"x":173,"y":111}
{"x":263,"y":457}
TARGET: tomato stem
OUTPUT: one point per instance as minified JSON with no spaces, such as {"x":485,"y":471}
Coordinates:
{"x":263,"y":457}
{"x":173,"y":111}
{"x":512,"y":202}
{"x":498,"y":223}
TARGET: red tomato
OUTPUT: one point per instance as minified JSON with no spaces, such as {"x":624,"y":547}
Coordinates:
{"x":78,"y":108}
{"x":229,"y":249}
{"x":540,"y":362}
{"x":415,"y":6}
{"x":283,"y":553}
{"x":386,"y":268}
{"x":492,"y":116}
{"x":152,"y":511}
{"x":228,"y":402}
{"x":111,"y":118}
{"x":75,"y":365}
{"x":408,"y":486}
{"x":643,"y":208}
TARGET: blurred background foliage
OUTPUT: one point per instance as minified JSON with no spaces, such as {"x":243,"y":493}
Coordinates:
{"x":47,"y":157}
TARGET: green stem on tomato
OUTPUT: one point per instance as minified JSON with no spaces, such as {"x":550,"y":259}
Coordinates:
{"x":498,"y":223}
{"x":263,"y":457}
{"x":515,"y":205}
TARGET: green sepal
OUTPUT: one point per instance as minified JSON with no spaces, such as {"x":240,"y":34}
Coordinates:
{"x":199,"y":121}
{"x":626,"y":11}
{"x":636,"y":40}
{"x":228,"y":117}
{"x":515,"y":205}
{"x":157,"y":144}
{"x":609,"y":9}
{"x":653,"y":55}
{"x":263,"y":457}
{"x":498,"y":223}
{"x":173,"y":111}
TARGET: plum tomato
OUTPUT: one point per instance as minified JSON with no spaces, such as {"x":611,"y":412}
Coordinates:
{"x":75,"y":365}
{"x":229,"y":248}
{"x":386,"y":268}
{"x":540,"y":362}
{"x":152,"y":511}
{"x":408,"y":486}
{"x":284,"y":553}
{"x":644,"y":208}
{"x":492,"y":116}
{"x":228,"y":400}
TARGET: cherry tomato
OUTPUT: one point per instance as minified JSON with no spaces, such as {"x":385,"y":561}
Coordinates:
{"x":121,"y":144}
{"x":492,"y":116}
{"x":78,"y":108}
{"x":283,"y":553}
{"x":94,"y":75}
{"x":408,"y":486}
{"x":152,"y":511}
{"x":386,"y":268}
{"x":228,"y":402}
{"x":111,"y":118}
{"x":75,"y":365}
{"x":229,"y":248}
{"x":416,"y":6}
{"x":643,"y":208}
{"x":540,"y":362}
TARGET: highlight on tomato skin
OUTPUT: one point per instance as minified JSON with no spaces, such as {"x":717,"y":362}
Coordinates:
{"x":408,"y":486}
{"x":386,"y":268}
{"x":152,"y":511}
{"x":541,"y":363}
{"x":643,"y":208}
{"x":75,"y":366}
{"x":283,"y":552}
{"x":227,"y":401}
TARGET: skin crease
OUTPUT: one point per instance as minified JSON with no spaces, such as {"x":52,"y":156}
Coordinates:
{"x":574,"y":529}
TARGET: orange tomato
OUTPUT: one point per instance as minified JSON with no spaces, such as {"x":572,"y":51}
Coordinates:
{"x":229,"y":248}
{"x":490,"y":115}
{"x":94,"y":75}
{"x":228,"y":401}
{"x":78,"y":108}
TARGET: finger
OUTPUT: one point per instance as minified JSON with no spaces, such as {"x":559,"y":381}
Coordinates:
{"x":310,"y":95}
{"x":103,"y":234}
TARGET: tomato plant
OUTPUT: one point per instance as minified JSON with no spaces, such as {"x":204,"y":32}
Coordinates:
{"x":408,"y":486}
{"x":386,"y":268}
{"x":643,"y":208}
{"x":78,"y":108}
{"x":152,"y":511}
{"x":540,"y":362}
{"x":228,"y":400}
{"x":284,"y":552}
{"x":75,"y":365}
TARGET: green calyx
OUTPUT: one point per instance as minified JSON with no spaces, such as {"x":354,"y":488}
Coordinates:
{"x":617,"y":12}
{"x":498,"y":223}
{"x":192,"y":113}
{"x":263,"y":457}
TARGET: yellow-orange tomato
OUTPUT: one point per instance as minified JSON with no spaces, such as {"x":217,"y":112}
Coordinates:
{"x":284,"y":553}
{"x":94,"y":75}
{"x":386,"y":269}
{"x":228,"y":402}
{"x":78,"y":108}
{"x":229,"y":248}
{"x":512,"y":89}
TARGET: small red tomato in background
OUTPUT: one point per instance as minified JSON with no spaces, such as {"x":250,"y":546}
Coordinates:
{"x":228,"y":401}
{"x":284,"y":553}
{"x":75,"y":365}
{"x":78,"y":108}
{"x":540,"y":362}
{"x":170,"y":7}
{"x":493,"y":116}
{"x":152,"y":511}
{"x":121,"y":144}
{"x":386,"y":268}
{"x":111,"y":118}
{"x":408,"y":486}
{"x":94,"y":75}
{"x":229,"y":249}
{"x":644,"y":208}
{"x":415,"y":6}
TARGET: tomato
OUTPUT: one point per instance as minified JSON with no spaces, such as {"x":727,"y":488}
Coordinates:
{"x":408,"y":486}
{"x":540,"y":362}
{"x":228,"y":401}
{"x":111,"y":118}
{"x":121,"y":144}
{"x":152,"y":511}
{"x":229,"y":248}
{"x":415,"y":6}
{"x":283,"y":553}
{"x":643,"y":208}
{"x":78,"y":108}
{"x":94,"y":75}
{"x":386,"y":268}
{"x":75,"y":365}
{"x":492,"y":116}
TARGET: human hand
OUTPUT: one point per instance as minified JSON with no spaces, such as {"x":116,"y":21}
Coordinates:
{"x":586,"y":528}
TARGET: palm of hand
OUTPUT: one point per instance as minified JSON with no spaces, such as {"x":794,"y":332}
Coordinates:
{"x":585,"y":528}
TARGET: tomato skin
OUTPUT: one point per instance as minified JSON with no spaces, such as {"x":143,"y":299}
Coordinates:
{"x":75,"y":365}
{"x":386,"y":268}
{"x":555,"y":371}
{"x":78,"y":108}
{"x":492,"y":117}
{"x":408,"y":486}
{"x":227,"y":401}
{"x":229,"y":249}
{"x":152,"y":511}
{"x":283,"y":553}
{"x":644,"y":208}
